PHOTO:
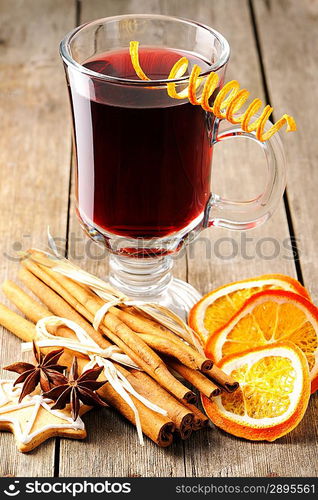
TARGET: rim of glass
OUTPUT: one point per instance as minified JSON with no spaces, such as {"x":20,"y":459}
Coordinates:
{"x":67,"y":58}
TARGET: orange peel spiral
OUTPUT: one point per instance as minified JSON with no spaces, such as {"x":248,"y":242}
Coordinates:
{"x":134,"y":56}
{"x":227,"y":103}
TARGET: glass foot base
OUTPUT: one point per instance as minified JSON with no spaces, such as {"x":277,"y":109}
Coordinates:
{"x":180,"y":297}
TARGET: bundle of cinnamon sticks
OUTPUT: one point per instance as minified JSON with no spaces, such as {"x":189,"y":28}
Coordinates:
{"x":161,"y":356}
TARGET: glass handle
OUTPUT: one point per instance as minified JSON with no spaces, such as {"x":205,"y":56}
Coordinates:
{"x":251,"y":213}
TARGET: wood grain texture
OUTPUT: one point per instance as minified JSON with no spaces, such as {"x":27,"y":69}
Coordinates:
{"x":288,"y":38}
{"x":34,"y":160}
{"x":291,"y":70}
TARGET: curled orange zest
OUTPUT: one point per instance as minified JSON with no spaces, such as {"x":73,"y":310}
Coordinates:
{"x":134,"y":56}
{"x":227,"y":103}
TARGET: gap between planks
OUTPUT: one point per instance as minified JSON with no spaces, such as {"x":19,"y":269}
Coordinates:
{"x":290,"y":223}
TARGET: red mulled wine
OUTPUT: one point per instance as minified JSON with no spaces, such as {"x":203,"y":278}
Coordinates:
{"x":143,"y":159}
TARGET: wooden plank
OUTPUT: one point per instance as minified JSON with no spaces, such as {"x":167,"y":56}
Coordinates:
{"x":112,"y":447}
{"x":290,"y":62}
{"x":288,"y":38}
{"x":34,"y":159}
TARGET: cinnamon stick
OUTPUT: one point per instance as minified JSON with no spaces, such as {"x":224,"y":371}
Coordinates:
{"x":54,"y":303}
{"x":196,"y":378}
{"x":169,"y":343}
{"x":163,"y":340}
{"x":53,"y":281}
{"x":157,"y":368}
{"x":19,"y":326}
{"x":177,"y":411}
{"x":222,"y":379}
{"x":200,"y":420}
{"x":145,"y":385}
{"x":148,"y":360}
{"x":157,"y":427}
{"x":61,"y":308}
{"x":25,"y":330}
{"x":32,"y":309}
{"x":169,"y":348}
{"x":29,"y":306}
{"x":84,"y":298}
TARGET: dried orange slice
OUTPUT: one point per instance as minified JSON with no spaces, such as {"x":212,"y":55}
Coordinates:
{"x":273,"y":394}
{"x":266,"y":318}
{"x":216,"y":308}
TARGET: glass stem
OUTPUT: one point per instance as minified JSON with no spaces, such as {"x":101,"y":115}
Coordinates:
{"x":140,"y":277}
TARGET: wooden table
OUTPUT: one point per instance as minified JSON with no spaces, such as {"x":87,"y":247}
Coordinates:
{"x":274,"y":55}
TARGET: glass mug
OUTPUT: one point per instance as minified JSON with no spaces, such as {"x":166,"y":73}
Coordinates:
{"x":143,"y":159}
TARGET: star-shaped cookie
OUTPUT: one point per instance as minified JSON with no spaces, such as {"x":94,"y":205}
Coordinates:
{"x":33,"y":421}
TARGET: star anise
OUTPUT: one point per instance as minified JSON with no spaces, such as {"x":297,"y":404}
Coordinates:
{"x":77,"y":388}
{"x":45,"y":371}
